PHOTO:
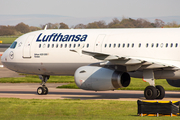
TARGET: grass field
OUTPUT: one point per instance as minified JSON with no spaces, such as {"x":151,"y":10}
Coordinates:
{"x":35,"y":79}
{"x":20,"y":109}
{"x":7,"y":40}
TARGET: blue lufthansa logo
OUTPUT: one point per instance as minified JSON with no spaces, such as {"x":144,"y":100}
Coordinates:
{"x":11,"y":54}
{"x":59,"y":37}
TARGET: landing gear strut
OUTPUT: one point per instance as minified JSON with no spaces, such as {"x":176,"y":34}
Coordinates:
{"x":43,"y":90}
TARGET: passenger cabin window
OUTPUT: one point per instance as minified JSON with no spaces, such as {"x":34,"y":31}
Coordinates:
{"x":48,"y":46}
{"x":114,"y":45}
{"x":157,"y":45}
{"x":132,"y":45}
{"x":74,"y":45}
{"x":166,"y":44}
{"x":61,"y":45}
{"x":78,"y":45}
{"x":105,"y":45}
{"x":139,"y":44}
{"x":39,"y":45}
{"x":69,"y":45}
{"x":128,"y":45}
{"x":13,"y":45}
{"x":119,"y":45}
{"x":52,"y":45}
{"x":56,"y":45}
{"x":44,"y":45}
{"x":147,"y":45}
{"x":152,"y":45}
{"x":161,"y":45}
{"x":123,"y":45}
{"x":176,"y":45}
{"x":171,"y":44}
{"x":65,"y":45}
{"x":109,"y":45}
{"x":87,"y":45}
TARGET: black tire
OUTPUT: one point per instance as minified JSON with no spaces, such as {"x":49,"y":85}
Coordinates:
{"x":45,"y":90}
{"x":150,"y":93}
{"x":40,"y":91}
{"x":160,"y":92}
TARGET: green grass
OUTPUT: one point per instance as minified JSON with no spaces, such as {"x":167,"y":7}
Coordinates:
{"x":35,"y":79}
{"x":46,"y":109}
{"x":7,"y":40}
{"x":69,"y":86}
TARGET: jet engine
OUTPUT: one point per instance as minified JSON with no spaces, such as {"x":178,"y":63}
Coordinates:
{"x":174,"y":83}
{"x":99,"y":78}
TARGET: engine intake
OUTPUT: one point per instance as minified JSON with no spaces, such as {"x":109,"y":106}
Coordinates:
{"x":99,"y":78}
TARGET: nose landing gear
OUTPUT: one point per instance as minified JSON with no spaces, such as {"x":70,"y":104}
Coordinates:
{"x":43,"y":90}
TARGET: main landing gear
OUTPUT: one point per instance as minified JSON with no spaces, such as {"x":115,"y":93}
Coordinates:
{"x":156,"y":92}
{"x":152,"y":92}
{"x":43,"y":90}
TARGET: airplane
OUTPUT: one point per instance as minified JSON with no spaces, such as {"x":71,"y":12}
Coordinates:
{"x":99,"y":59}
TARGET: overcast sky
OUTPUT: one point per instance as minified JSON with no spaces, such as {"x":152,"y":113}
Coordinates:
{"x":92,"y":8}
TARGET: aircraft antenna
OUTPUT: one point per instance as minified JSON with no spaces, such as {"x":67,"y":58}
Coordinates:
{"x":45,"y":27}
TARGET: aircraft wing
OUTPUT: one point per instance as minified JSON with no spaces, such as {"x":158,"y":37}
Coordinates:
{"x":131,"y":63}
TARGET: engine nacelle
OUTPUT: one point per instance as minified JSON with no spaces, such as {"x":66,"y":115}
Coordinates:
{"x":174,"y":83}
{"x":99,"y":78}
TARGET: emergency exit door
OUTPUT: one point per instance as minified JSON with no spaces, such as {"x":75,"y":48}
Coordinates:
{"x":98,"y":43}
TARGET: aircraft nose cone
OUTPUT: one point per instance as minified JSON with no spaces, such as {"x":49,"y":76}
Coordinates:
{"x":4,"y":57}
{"x":1,"y":57}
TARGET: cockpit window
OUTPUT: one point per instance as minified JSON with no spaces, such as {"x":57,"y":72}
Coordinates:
{"x":13,"y":45}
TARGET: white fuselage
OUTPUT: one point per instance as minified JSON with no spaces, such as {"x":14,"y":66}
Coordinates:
{"x":38,"y":53}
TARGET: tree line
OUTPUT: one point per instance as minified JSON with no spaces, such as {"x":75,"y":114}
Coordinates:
{"x":22,"y":28}
{"x":19,"y":29}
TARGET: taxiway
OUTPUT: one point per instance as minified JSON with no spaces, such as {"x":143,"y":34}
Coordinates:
{"x":28,"y":91}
